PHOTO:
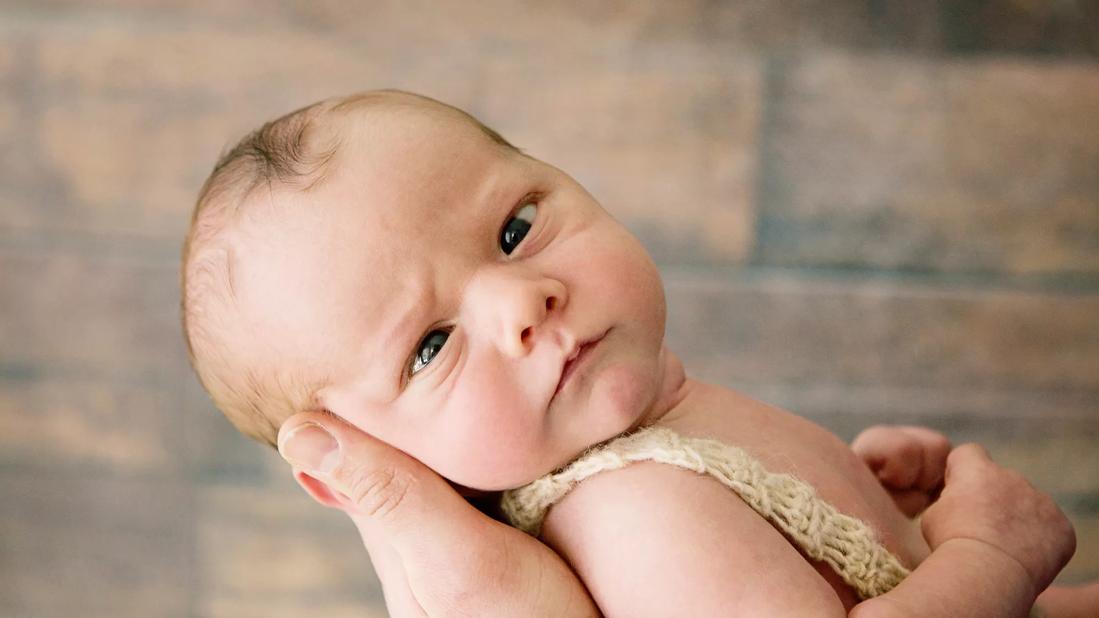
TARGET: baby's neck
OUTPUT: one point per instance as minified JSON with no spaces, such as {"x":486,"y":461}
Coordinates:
{"x":674,"y":388}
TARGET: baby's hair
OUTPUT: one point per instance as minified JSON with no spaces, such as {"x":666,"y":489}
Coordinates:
{"x":289,"y":153}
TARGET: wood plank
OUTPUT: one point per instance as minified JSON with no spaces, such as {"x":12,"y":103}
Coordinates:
{"x":94,"y":547}
{"x":677,"y":163}
{"x":1044,"y":29}
{"x":274,"y":552}
{"x":784,"y":328}
{"x":89,"y":423}
{"x":117,"y":315}
{"x":883,"y":162}
{"x":96,"y":427}
{"x":502,"y":24}
{"x":218,"y":454}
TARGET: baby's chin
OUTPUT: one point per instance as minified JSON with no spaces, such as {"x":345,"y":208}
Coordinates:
{"x":496,"y":487}
{"x":633,"y":394}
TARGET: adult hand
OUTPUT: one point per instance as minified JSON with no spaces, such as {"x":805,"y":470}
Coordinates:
{"x":436,"y":555}
{"x":985,"y":504}
{"x":996,"y":540}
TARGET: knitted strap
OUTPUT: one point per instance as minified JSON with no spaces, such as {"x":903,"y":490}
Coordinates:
{"x":846,"y":544}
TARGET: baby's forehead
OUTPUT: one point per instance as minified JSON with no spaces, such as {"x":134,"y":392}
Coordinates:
{"x":376,"y":113}
{"x":398,"y":173}
{"x":401,"y":162}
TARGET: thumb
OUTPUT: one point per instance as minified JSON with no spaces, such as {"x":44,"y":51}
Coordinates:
{"x":388,"y":494}
{"x":965,"y":462}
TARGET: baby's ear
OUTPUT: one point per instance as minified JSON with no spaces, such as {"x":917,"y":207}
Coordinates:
{"x":322,"y":493}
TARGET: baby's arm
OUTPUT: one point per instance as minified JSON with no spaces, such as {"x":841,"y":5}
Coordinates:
{"x":655,"y":540}
{"x":997,"y":542}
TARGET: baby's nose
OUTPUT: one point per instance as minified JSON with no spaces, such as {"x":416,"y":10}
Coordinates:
{"x":514,"y":307}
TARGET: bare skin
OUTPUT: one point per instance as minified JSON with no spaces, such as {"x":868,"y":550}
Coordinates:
{"x":401,"y":247}
{"x":433,"y":551}
{"x":784,"y":443}
{"x":912,"y":464}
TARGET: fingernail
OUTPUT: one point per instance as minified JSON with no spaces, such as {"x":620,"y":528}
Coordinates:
{"x":311,"y":448}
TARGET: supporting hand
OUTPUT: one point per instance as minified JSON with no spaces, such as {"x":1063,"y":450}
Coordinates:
{"x":983,"y":502}
{"x":435,"y":554}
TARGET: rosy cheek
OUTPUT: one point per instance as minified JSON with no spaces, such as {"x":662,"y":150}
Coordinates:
{"x":490,"y":429}
{"x":482,"y":405}
{"x":490,"y":393}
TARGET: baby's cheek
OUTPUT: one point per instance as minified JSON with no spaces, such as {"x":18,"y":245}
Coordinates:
{"x":623,"y":394}
{"x":493,"y":438}
{"x":629,"y":281}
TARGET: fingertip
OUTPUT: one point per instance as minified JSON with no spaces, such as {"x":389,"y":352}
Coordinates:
{"x":970,"y":450}
{"x":310,"y":447}
{"x":870,"y":440}
{"x":966,"y":458}
{"x":294,"y":422}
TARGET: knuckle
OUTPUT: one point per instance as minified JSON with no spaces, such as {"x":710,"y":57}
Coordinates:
{"x":378,"y":491}
{"x":878,"y":429}
{"x":925,"y":434}
{"x":874,"y":434}
{"x":865,"y":440}
{"x":910,"y":450}
{"x":969,"y":455}
{"x":938,"y":444}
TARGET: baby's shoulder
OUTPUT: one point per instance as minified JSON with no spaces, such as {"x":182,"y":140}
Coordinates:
{"x":780,"y":440}
{"x":651,"y":536}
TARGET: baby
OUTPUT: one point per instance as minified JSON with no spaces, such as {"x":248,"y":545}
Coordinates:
{"x":389,"y":259}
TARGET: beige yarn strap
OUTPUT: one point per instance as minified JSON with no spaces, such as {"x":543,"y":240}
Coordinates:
{"x":846,"y":544}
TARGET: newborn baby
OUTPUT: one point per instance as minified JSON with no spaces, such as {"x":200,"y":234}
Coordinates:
{"x":389,"y":259}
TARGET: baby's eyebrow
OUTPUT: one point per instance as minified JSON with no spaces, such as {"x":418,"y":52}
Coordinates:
{"x":415,"y":302}
{"x":398,"y":340}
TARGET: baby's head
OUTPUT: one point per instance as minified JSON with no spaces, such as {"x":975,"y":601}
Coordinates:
{"x":389,"y":259}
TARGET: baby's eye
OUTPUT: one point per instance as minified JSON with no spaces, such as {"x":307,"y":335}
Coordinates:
{"x":516,"y":227}
{"x":427,"y":349}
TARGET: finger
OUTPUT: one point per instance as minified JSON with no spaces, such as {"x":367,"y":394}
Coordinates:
{"x":892,"y":454}
{"x":387,"y":493}
{"x":966,"y":461}
{"x":935,"y":448}
{"x":911,"y":502}
{"x":451,"y":554}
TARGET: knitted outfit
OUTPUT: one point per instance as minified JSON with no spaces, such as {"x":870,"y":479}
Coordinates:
{"x":846,"y":544}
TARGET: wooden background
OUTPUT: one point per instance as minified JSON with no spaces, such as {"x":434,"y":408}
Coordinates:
{"x":865,"y":212}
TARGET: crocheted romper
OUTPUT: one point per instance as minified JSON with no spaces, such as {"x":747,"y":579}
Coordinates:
{"x":846,"y":544}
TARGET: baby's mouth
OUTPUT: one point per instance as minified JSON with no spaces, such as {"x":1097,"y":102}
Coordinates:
{"x":576,"y":360}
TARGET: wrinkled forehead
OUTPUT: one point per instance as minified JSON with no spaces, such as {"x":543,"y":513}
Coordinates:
{"x":402,"y":164}
{"x":402,"y":188}
{"x":396,"y":172}
{"x":416,"y":136}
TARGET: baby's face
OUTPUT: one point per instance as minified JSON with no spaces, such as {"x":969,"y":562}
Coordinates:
{"x":409,"y":277}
